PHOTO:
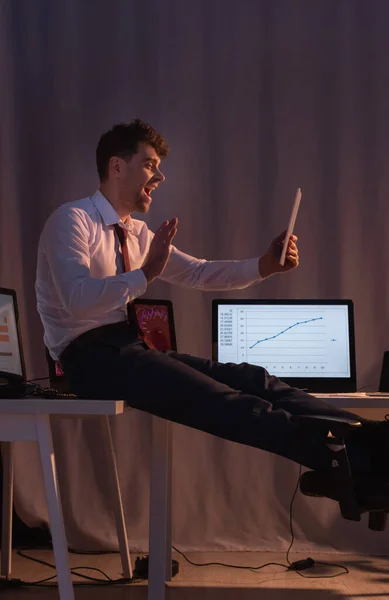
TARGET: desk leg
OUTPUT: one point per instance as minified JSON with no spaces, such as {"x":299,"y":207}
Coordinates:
{"x":169,"y":484}
{"x":113,"y":478}
{"x":8,"y":492}
{"x":54,"y":506}
{"x":160,"y":564}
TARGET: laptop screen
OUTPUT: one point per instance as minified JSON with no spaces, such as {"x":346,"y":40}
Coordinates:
{"x":11,"y":358}
{"x":306,"y":343}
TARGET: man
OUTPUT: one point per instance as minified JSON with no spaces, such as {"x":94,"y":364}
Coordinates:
{"x":94,"y":259}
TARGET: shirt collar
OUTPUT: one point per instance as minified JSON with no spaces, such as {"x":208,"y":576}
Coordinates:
{"x":108,"y":213}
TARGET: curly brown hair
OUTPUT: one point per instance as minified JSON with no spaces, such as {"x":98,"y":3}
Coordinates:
{"x":123,"y":139}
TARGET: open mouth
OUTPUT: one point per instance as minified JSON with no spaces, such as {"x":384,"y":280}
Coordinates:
{"x":148,"y":191}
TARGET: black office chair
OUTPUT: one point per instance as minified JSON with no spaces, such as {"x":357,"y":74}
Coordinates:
{"x":342,"y":485}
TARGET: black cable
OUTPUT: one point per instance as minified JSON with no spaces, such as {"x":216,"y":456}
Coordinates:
{"x":73,"y":570}
{"x":108,"y":578}
{"x":311,"y":561}
{"x":42,"y":583}
{"x":33,"y":559}
{"x":369,"y":385}
{"x":328,"y":564}
{"x":37,"y":390}
{"x":48,"y":393}
{"x":92,"y":552}
{"x":291,"y":517}
{"x":38,"y":582}
{"x":191,"y":562}
{"x":47,"y":564}
{"x":289,"y":567}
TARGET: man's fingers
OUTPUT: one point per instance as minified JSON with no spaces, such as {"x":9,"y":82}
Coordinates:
{"x":168,"y":225}
{"x":172,"y":223}
{"x":166,"y":236}
{"x":292,"y":247}
{"x":281,"y":238}
{"x":293,"y":258}
{"x":172,"y":232}
{"x":163,"y":231}
{"x":163,"y":226}
{"x":160,"y":231}
{"x":293,"y":239}
{"x":170,"y":237}
{"x":171,"y":229}
{"x":172,"y":226}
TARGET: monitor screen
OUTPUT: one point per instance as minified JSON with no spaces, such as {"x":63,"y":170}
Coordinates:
{"x":291,"y":339}
{"x":10,"y":354}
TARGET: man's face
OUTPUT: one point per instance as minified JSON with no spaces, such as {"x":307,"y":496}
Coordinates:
{"x":139,"y":177}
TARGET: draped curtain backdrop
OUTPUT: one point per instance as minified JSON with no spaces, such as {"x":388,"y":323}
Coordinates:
{"x":255,"y":98}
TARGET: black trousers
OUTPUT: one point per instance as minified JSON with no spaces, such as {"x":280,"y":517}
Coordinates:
{"x":241,"y":403}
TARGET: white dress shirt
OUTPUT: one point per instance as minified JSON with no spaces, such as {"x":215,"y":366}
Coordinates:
{"x":80,"y":282}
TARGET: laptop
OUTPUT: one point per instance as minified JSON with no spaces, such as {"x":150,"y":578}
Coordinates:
{"x":156,"y":320}
{"x":12,"y":368}
{"x":307,"y":343}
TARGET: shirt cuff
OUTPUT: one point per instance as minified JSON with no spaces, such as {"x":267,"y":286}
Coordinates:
{"x":251,"y":270}
{"x":137,"y":283}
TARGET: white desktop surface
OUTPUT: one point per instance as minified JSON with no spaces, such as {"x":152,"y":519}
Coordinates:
{"x":371,"y":407}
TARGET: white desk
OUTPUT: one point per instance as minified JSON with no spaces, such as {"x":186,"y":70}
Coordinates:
{"x":370,"y":407}
{"x":28,"y":419}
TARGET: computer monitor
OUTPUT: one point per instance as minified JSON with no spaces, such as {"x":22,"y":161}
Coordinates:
{"x":306,"y":343}
{"x":11,"y":353}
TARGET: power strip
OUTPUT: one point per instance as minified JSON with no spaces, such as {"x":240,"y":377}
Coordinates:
{"x":142,"y":567}
{"x":6,"y":584}
{"x":301,"y":565}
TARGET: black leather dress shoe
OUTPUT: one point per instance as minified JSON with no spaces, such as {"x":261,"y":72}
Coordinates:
{"x":319,"y":484}
{"x":372,"y":493}
{"x":374,"y":436}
